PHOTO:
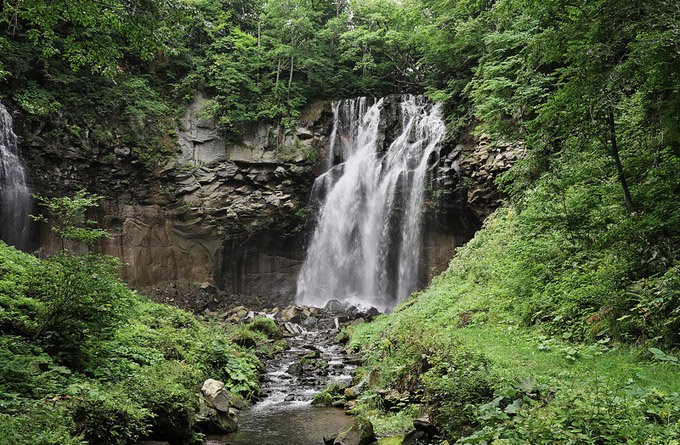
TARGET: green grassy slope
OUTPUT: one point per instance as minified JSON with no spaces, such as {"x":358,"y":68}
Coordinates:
{"x":522,"y":340}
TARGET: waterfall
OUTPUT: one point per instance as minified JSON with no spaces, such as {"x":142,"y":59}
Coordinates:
{"x":366,"y":245}
{"x":15,"y":196}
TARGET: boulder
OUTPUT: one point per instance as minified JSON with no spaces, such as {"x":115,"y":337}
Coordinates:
{"x":423,"y":424}
{"x":334,"y":306}
{"x":295,"y":368}
{"x":360,"y":432}
{"x":216,"y":395}
{"x":415,"y":438}
{"x":291,"y":314}
{"x":212,"y":421}
{"x":353,"y":391}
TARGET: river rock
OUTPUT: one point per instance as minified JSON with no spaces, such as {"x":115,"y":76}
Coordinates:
{"x":334,"y":306}
{"x":216,"y":395}
{"x":359,"y":433}
{"x":423,"y":424}
{"x":291,"y":314}
{"x":295,"y":368}
{"x":212,"y":421}
{"x":372,"y":313}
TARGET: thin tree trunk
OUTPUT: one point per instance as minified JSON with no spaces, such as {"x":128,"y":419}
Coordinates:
{"x":290,"y":76}
{"x":278,"y":75}
{"x":619,"y":166}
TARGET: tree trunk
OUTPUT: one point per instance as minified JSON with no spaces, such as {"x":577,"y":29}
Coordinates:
{"x":290,"y":76}
{"x":619,"y":166}
{"x":278,"y":75}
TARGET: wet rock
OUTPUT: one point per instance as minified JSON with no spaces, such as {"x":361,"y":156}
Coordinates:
{"x":293,"y":328}
{"x":212,"y":421}
{"x":415,"y":438}
{"x":372,"y":312}
{"x":291,"y":314}
{"x":334,"y":306}
{"x":215,"y":414}
{"x":358,"y":321}
{"x":295,"y":368}
{"x":310,"y":322}
{"x":359,"y":433}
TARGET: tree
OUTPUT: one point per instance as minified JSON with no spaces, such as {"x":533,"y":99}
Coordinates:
{"x":81,"y":294}
{"x":94,"y":33}
{"x":67,"y":217}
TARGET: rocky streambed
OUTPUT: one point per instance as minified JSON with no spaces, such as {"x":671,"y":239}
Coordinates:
{"x":314,"y":359}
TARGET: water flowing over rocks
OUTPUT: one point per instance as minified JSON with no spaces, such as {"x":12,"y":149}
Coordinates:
{"x":366,"y":247}
{"x":314,"y":358}
{"x":15,"y":197}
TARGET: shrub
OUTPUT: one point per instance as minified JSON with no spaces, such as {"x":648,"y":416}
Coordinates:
{"x":107,"y":415}
{"x":39,"y":423}
{"x":82,"y":302}
{"x":167,"y":390}
{"x":266,"y":326}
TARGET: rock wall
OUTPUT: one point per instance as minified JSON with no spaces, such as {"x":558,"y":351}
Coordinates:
{"x":233,"y":214}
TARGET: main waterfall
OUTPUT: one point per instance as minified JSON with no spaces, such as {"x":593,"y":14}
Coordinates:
{"x":366,"y":246}
{"x":15,"y":196}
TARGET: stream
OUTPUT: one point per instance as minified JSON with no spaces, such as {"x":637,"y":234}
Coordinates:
{"x":285,"y":414}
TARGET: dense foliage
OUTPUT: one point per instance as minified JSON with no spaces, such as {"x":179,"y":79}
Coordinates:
{"x":84,"y":359}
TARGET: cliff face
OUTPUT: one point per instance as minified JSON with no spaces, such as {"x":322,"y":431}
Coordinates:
{"x":234,"y":214}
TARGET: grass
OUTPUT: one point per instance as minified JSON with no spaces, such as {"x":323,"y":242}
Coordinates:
{"x":472,"y":349}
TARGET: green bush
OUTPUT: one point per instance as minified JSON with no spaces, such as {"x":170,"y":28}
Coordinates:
{"x":39,"y":423}
{"x":82,"y":303}
{"x":107,"y":415}
{"x":457,"y":381}
{"x":167,"y":390}
{"x":265,"y":325}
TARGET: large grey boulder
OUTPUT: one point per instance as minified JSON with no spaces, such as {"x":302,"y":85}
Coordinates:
{"x":215,"y":415}
{"x":216,"y":395}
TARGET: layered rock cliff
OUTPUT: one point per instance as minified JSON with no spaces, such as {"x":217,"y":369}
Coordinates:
{"x":233,"y":214}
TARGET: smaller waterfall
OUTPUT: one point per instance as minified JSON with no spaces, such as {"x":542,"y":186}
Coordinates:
{"x":15,"y":196}
{"x":366,"y":247}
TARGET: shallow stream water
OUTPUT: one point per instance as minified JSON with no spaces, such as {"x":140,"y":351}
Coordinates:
{"x":285,"y":415}
{"x":295,"y":423}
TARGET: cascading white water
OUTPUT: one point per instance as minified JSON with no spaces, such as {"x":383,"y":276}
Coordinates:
{"x":15,"y":196}
{"x":366,"y":246}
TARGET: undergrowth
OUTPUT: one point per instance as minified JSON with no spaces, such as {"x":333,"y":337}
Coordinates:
{"x":103,"y":364}
{"x":523,"y":342}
